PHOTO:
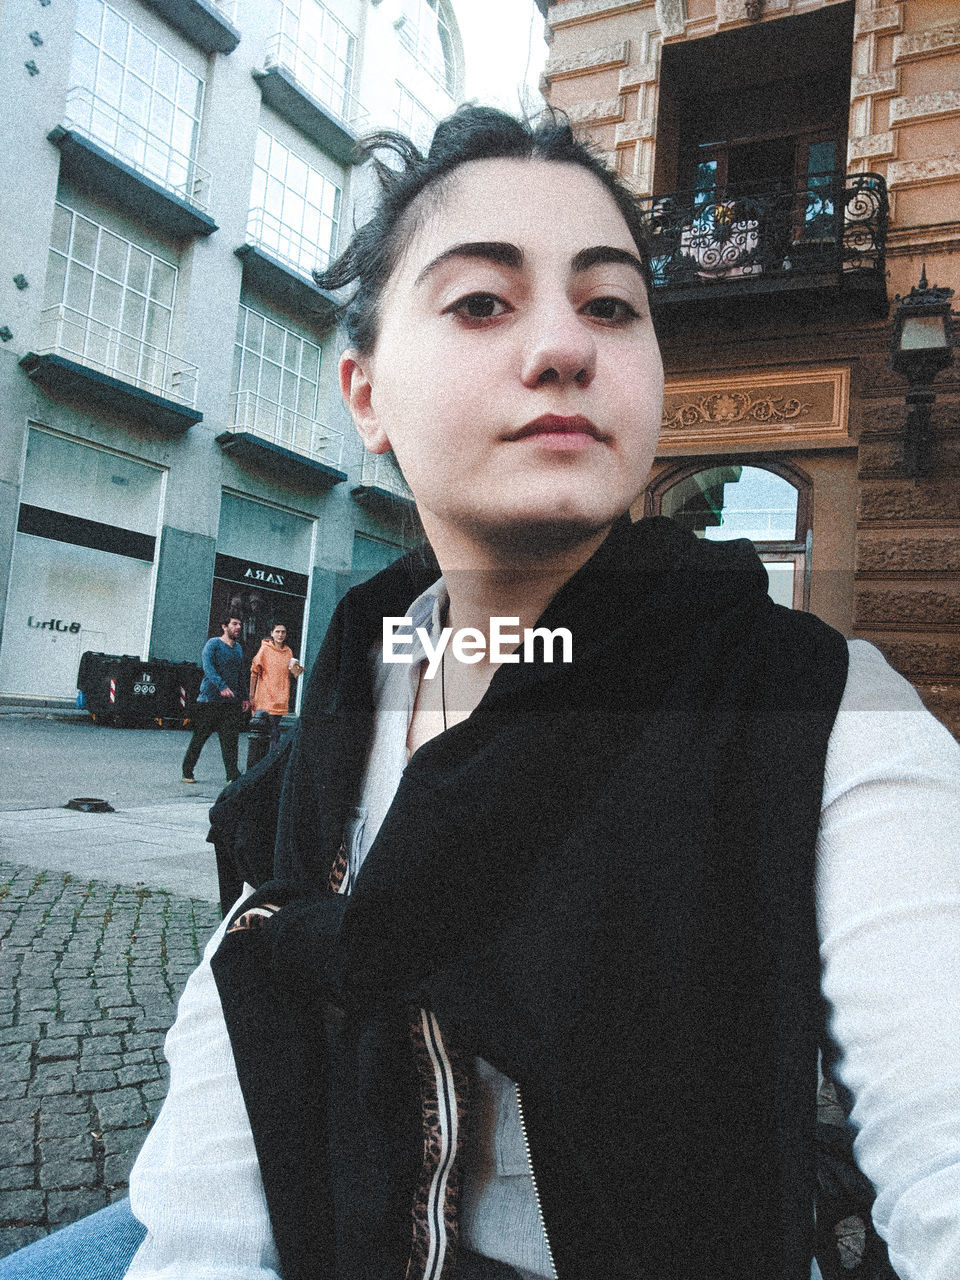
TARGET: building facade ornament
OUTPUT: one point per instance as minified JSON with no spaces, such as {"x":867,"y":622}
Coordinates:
{"x":874,"y":146}
{"x":588,"y":60}
{"x":874,"y":21}
{"x":729,"y":408}
{"x":782,"y":409}
{"x":634,"y":131}
{"x":671,"y":17}
{"x":879,"y":84}
{"x":921,"y":44}
{"x":597,"y":111}
{"x":576,"y":11}
{"x":923,"y":106}
{"x":908,"y":173}
{"x":636,"y":76}
{"x":729,"y":11}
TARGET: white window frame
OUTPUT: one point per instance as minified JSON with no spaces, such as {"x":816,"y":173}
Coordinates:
{"x":157,"y":294}
{"x":138,"y":101}
{"x":109,"y":304}
{"x":324,"y":51}
{"x":421,"y":28}
{"x":413,"y":118}
{"x":304,"y":232}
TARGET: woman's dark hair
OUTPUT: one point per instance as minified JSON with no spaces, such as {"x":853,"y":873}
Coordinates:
{"x":278,"y":622}
{"x":471,"y":133}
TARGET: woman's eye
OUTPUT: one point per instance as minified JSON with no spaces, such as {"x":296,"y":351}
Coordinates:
{"x":613,"y":310}
{"x":479,"y":306}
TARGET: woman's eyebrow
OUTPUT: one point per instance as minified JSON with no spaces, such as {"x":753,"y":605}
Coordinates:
{"x":498,"y":251}
{"x":602,"y":253}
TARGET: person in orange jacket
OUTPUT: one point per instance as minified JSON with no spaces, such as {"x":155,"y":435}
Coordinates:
{"x":270,"y":674}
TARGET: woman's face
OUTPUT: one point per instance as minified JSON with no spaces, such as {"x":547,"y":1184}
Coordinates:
{"x":279,"y":635}
{"x":516,"y":374}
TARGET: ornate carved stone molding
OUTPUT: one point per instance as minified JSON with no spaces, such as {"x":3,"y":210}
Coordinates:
{"x":633,"y":131}
{"x":875,"y":146}
{"x":879,"y":84}
{"x":921,"y":44}
{"x":729,"y":11}
{"x":597,"y":111}
{"x":587,"y":61}
{"x":872,"y":21}
{"x":910,"y":173}
{"x":924,"y":106}
{"x":785,"y":409}
{"x":725,"y":408}
{"x":637,"y":76}
{"x":671,"y":17}
{"x":576,"y":11}
{"x":933,"y":238}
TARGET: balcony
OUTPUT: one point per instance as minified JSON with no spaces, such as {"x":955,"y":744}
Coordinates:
{"x":310,"y":98}
{"x":208,"y":24}
{"x":279,"y":262}
{"x":79,"y":358}
{"x":106,"y":151}
{"x":380,"y":484}
{"x":283,"y":442}
{"x":825,"y":237}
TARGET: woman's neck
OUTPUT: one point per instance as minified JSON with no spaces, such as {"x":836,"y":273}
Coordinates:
{"x":482,"y":585}
{"x":485,"y":583}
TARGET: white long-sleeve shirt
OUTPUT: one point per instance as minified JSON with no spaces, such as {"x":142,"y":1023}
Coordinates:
{"x":888,"y":911}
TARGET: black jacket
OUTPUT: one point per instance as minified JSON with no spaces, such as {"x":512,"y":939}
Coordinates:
{"x":602,"y":883}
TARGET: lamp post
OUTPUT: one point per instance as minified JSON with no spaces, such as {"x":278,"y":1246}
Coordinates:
{"x":920,"y":347}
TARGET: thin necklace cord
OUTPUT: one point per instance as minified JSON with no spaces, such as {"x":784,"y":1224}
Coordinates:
{"x":443,"y":686}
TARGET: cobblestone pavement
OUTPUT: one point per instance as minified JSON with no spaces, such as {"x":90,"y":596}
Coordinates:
{"x":90,"y":974}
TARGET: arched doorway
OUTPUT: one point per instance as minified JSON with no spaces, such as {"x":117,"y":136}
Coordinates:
{"x":770,"y":503}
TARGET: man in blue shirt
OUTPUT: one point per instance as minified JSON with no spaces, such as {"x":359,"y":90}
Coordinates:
{"x":222,"y":699}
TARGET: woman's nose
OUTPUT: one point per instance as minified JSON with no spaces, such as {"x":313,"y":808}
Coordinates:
{"x":560,"y":348}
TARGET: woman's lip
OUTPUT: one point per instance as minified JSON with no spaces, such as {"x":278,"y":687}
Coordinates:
{"x":556,"y":425}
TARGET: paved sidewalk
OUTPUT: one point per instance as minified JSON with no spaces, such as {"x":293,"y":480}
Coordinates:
{"x":102,"y":918}
{"x":160,"y":846}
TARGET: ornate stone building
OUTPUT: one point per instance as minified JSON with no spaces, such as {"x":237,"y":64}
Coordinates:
{"x":799,"y":162}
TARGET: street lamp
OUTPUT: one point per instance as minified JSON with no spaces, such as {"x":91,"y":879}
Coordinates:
{"x":921,"y":346}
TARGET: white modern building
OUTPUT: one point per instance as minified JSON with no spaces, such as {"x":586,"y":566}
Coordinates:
{"x":173,"y":441}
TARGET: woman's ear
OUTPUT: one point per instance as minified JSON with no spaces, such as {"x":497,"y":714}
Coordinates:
{"x":356,"y":387}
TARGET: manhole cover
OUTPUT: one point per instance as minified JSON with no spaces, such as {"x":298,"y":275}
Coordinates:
{"x":89,"y":804}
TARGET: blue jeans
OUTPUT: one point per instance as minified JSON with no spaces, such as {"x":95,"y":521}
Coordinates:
{"x":101,"y":1247}
{"x":98,"y":1247}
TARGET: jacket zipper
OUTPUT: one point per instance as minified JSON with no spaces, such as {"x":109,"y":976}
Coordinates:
{"x":533,"y":1179}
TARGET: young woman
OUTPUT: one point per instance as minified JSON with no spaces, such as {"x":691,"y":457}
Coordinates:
{"x":270,"y":673}
{"x":535,"y":988}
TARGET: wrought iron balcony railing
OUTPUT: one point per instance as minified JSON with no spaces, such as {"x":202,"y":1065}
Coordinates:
{"x":287,"y":428}
{"x":285,"y":243}
{"x":132,"y":142}
{"x":380,"y":470}
{"x":65,"y":332}
{"x":283,"y":51}
{"x":830,"y":225}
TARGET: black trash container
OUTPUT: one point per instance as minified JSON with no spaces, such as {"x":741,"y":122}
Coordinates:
{"x":181,"y":684}
{"x":106,"y":681}
{"x":136,"y":690}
